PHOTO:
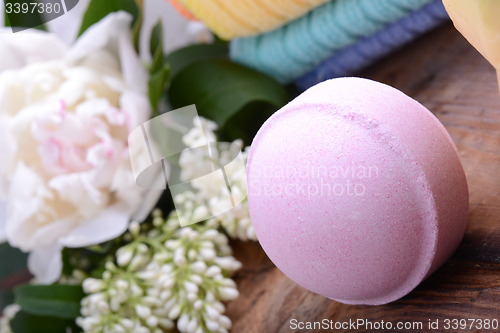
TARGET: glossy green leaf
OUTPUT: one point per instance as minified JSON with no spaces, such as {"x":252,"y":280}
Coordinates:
{"x":98,"y":9}
{"x":55,"y":300}
{"x":187,"y":56}
{"x":13,"y":260}
{"x":27,"y":323}
{"x":220,"y":89}
{"x":159,"y":71}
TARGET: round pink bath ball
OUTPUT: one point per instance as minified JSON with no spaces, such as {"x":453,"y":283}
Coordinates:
{"x":356,"y":191}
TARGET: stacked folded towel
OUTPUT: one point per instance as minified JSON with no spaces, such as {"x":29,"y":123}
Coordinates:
{"x":293,"y":50}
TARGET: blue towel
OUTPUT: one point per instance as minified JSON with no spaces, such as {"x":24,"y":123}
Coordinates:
{"x":369,"y":49}
{"x":296,"y":48}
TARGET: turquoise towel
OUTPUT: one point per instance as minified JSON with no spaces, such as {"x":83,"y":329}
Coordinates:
{"x":296,"y":48}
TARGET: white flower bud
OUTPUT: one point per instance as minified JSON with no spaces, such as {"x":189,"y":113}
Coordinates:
{"x":127,"y":323}
{"x":147,"y":275}
{"x":141,"y":329}
{"x":222,"y":330}
{"x":124,"y":258}
{"x":151,"y":301}
{"x":228,"y":283}
{"x":226,"y":263}
{"x":209,"y":297}
{"x":157,"y":221}
{"x":212,"y":325}
{"x":199,"y":267}
{"x":142,"y":248}
{"x":192,"y":254}
{"x":138,"y":261}
{"x":251,"y":233}
{"x":199,"y":330}
{"x":207,"y":254}
{"x":169,"y":283}
{"x":213,"y":271}
{"x":221,"y":239}
{"x":212,"y":313}
{"x":173,"y":244}
{"x":190,"y":287}
{"x":201,"y":213}
{"x":191,"y":297}
{"x":219,"y":306}
{"x":122,"y":284}
{"x":225,"y":322}
{"x":167,"y":268}
{"x":207,"y":244}
{"x":165,"y":323}
{"x":228,"y":294}
{"x":134,"y":228}
{"x":182,"y":323}
{"x":225,"y":250}
{"x":196,"y":279}
{"x":109,"y":266}
{"x":103,"y":307}
{"x":114,"y":304}
{"x":136,"y":290}
{"x":117,"y":328}
{"x":164,"y":295}
{"x":106,"y":275}
{"x":169,"y":304}
{"x":184,"y":232}
{"x":174,"y":312}
{"x":192,"y":326}
{"x":179,"y":260}
{"x":210,"y":234}
{"x":142,"y":311}
{"x":198,"y":304}
{"x":152,"y":321}
{"x":157,"y":212}
{"x":91,"y":285}
{"x":160,"y":312}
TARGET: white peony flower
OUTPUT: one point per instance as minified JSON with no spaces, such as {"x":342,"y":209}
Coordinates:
{"x":65,"y":116}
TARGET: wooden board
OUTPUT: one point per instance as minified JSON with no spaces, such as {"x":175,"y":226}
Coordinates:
{"x":443,"y":72}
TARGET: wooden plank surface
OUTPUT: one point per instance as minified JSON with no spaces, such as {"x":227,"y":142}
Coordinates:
{"x":443,"y":72}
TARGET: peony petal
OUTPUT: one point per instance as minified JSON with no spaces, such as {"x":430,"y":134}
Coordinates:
{"x":67,"y":26}
{"x":109,"y":224}
{"x":100,"y":35}
{"x":46,"y":263}
{"x":17,"y":50}
{"x":137,"y":108}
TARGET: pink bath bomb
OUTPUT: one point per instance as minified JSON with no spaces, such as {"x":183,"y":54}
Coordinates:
{"x":356,"y":191}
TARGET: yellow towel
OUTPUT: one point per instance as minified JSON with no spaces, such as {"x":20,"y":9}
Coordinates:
{"x":479,"y":22}
{"x":239,"y":18}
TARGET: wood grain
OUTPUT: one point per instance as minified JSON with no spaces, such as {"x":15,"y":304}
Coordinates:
{"x":443,"y":72}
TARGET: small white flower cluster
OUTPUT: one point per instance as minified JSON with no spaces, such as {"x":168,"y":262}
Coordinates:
{"x":165,"y":274}
{"x":194,"y":164}
{"x":9,"y":312}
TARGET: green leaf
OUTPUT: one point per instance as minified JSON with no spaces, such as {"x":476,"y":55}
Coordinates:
{"x":13,"y":260}
{"x":187,"y":56}
{"x":156,"y":39}
{"x":27,"y":323}
{"x":56,"y":300}
{"x":136,"y":29}
{"x":159,"y":71}
{"x":98,"y":9}
{"x":28,"y":19}
{"x":220,"y":89}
